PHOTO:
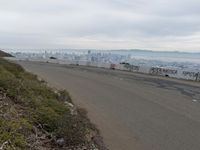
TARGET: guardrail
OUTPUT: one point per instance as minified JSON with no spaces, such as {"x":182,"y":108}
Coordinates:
{"x":160,"y":71}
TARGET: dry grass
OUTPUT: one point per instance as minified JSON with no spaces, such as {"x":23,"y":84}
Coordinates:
{"x":33,"y":116}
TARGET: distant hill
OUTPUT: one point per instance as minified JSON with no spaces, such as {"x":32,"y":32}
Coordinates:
{"x":4,"y":54}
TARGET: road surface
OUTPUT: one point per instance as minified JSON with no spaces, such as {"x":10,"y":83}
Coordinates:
{"x":133,"y":111}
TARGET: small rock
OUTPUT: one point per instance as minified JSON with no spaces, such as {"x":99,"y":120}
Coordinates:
{"x":69,"y":104}
{"x":60,"y":142}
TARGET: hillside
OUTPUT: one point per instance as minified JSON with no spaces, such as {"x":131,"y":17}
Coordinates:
{"x":34,"y":116}
{"x":4,"y":54}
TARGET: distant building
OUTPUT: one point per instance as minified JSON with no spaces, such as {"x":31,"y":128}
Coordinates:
{"x":89,"y":52}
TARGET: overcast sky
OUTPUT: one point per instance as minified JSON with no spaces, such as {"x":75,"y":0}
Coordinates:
{"x":101,"y":24}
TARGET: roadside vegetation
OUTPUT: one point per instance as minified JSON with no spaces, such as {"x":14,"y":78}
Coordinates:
{"x":4,"y":54}
{"x":34,"y":116}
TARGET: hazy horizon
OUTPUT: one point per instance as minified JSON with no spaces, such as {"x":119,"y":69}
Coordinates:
{"x":95,"y":50}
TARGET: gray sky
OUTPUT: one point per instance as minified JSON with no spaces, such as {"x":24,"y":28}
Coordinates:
{"x":101,"y":24}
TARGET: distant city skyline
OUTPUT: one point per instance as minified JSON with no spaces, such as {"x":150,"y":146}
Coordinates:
{"x":167,"y":25}
{"x":42,"y":50}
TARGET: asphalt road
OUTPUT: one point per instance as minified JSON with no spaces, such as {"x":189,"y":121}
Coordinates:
{"x":133,"y":111}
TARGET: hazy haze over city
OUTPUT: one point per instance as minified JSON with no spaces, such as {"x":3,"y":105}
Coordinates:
{"x":101,"y":24}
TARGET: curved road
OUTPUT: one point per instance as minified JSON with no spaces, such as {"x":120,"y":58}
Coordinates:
{"x":133,"y":111}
